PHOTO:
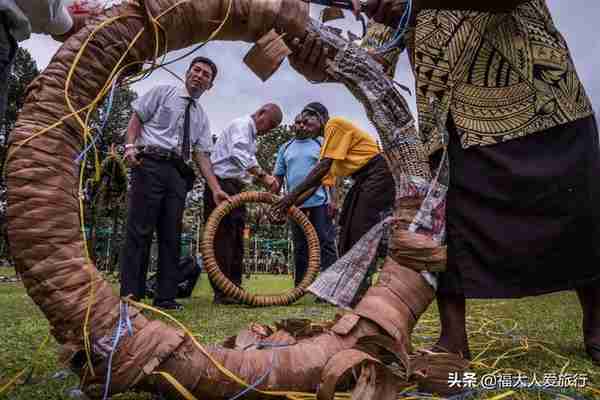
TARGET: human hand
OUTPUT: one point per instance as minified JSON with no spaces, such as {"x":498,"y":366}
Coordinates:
{"x":311,"y":57}
{"x":131,"y":157}
{"x":268,"y":181}
{"x":279,"y":209}
{"x":275,"y":187}
{"x":387,"y":12}
{"x":220,"y":196}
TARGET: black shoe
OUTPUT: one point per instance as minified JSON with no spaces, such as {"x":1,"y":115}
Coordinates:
{"x":170,"y":305}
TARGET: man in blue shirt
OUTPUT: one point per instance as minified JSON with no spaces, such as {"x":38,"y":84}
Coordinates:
{"x":295,"y":159}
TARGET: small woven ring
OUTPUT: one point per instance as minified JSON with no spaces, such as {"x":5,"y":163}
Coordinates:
{"x":230,"y":289}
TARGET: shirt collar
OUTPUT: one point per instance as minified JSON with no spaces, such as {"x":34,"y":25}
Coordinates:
{"x":184,"y":94}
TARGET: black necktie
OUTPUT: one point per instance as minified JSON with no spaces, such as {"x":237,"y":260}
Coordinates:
{"x":185,"y":145}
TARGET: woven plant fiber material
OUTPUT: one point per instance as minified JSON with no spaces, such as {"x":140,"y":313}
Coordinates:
{"x":232,"y":290}
{"x":265,"y":57}
{"x":44,"y":221}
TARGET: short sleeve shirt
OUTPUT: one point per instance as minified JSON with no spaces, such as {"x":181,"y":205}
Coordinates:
{"x":162,"y":112}
{"x":348,"y":146}
{"x":295,"y":160}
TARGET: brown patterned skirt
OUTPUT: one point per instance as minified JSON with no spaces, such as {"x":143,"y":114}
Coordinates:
{"x":524,"y":215}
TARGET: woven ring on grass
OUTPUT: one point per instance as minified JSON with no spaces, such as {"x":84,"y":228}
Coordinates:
{"x":230,"y":289}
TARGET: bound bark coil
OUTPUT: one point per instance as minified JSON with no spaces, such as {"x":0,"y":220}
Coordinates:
{"x":44,"y":221}
{"x":232,"y":290}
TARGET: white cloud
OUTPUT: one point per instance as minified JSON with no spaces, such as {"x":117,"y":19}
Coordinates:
{"x":238,"y":91}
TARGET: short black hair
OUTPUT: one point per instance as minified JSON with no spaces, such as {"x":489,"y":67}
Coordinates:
{"x":318,"y":109}
{"x":206,"y":61}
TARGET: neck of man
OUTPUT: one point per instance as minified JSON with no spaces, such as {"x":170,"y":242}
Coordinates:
{"x":194,"y":94}
{"x":304,"y":135}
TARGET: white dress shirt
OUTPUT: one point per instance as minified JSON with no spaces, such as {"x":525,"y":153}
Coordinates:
{"x":235,"y":150}
{"x":162,"y":112}
{"x":37,"y":16}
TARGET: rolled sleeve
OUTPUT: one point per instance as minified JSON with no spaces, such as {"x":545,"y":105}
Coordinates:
{"x":241,"y":152}
{"x":146,"y":106}
{"x":337,"y":141}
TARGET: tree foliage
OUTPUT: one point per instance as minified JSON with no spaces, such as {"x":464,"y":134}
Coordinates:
{"x":268,"y":145}
{"x":23,"y":72}
{"x":108,"y":124}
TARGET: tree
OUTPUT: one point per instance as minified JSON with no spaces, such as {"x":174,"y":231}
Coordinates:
{"x":108,"y":124}
{"x":268,"y":145}
{"x":23,"y":72}
{"x":117,"y":115}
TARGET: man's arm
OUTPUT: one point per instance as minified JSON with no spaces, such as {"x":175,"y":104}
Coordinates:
{"x":308,"y":186}
{"x":473,"y":5}
{"x":276,"y":189}
{"x":134,"y":130}
{"x":314,"y":178}
{"x":143,"y":108}
{"x":243,"y":156}
{"x":389,"y":12}
{"x":268,"y":181}
{"x":333,"y":200}
{"x":204,"y":165}
{"x":279,"y":171}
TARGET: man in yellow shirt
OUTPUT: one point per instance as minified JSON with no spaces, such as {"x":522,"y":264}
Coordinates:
{"x":346,"y":151}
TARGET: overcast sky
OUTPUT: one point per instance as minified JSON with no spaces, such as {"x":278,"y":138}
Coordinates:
{"x":237,"y":91}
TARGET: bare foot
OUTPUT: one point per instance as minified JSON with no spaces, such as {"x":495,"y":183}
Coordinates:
{"x":445,"y":346}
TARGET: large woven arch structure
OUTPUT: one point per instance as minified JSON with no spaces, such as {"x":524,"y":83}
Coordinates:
{"x":83,"y":310}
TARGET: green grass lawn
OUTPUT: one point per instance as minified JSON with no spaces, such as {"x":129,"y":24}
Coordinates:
{"x":537,"y":335}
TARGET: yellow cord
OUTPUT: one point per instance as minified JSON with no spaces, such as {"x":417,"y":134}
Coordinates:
{"x":178,"y":386}
{"x":86,"y":332}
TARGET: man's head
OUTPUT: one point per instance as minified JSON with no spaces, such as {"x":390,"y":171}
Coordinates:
{"x":267,"y":117}
{"x":200,"y":76}
{"x":312,"y":120}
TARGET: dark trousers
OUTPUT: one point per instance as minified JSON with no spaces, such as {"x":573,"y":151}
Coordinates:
{"x":229,"y":239}
{"x":8,"y":51}
{"x":325,"y":231}
{"x":371,"y":196}
{"x":156,"y":200}
{"x":367,"y":201}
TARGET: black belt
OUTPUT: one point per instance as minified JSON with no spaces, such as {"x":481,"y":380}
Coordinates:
{"x":158,"y":152}
{"x":366,"y":169}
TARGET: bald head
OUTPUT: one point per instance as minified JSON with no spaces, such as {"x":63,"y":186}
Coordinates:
{"x":267,"y":117}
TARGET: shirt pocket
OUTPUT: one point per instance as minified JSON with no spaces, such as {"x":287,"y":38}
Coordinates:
{"x":165,"y":117}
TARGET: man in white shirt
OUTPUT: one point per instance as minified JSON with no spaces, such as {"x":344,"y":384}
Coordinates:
{"x":20,"y":18}
{"x":234,"y":163}
{"x":167,"y":129}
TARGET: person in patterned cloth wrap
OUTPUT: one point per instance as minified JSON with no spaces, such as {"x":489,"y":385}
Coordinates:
{"x":523,"y":149}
